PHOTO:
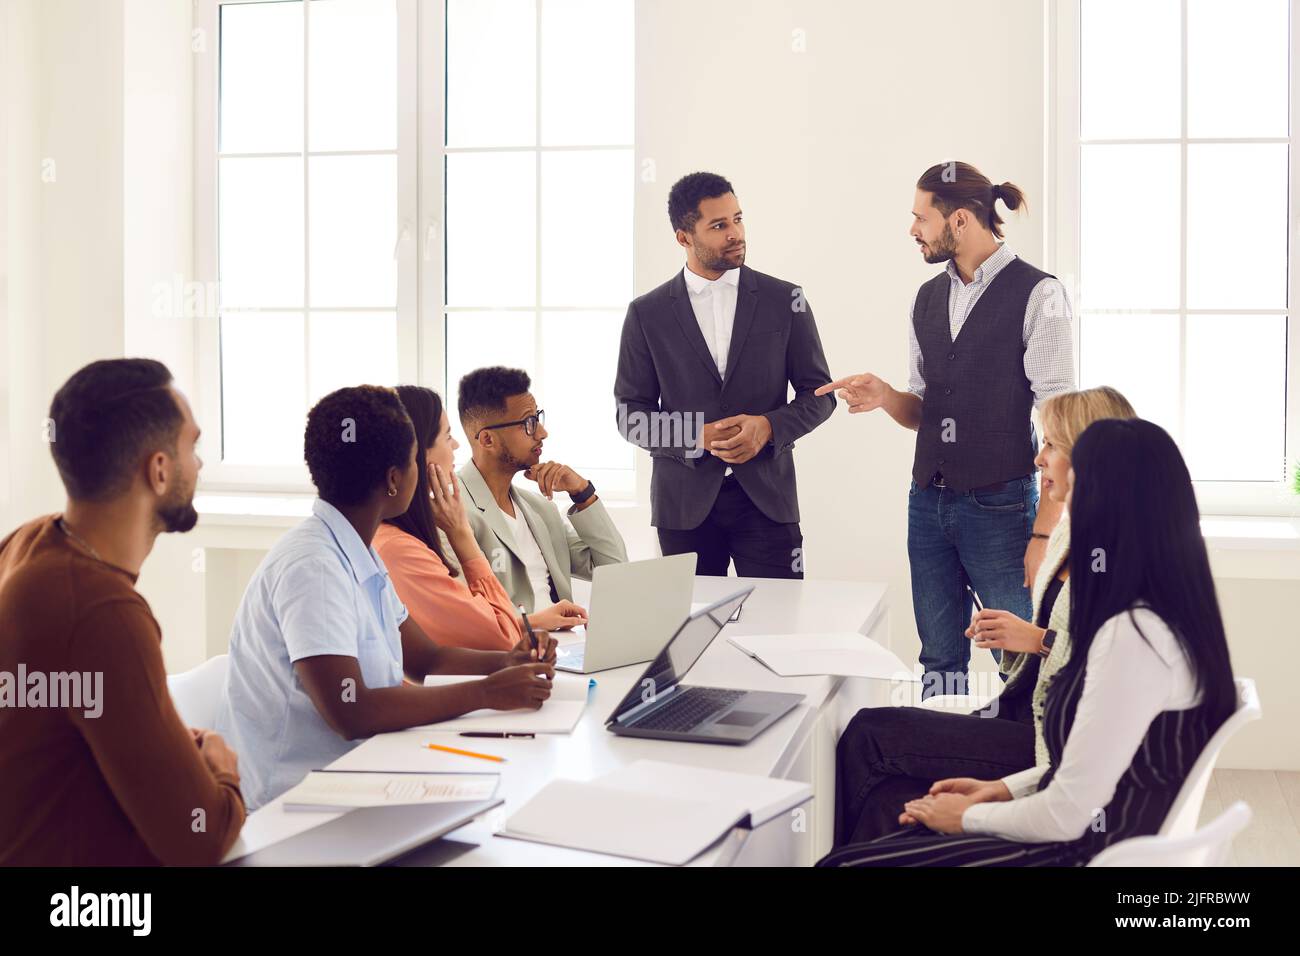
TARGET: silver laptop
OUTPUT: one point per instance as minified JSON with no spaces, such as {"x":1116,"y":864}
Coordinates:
{"x":659,"y":705}
{"x":635,"y":607}
{"x":369,"y":836}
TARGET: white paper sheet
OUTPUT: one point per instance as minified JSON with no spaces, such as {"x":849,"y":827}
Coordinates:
{"x":843,"y":654}
{"x":558,"y":715}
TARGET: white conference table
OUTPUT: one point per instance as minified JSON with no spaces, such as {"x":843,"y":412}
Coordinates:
{"x":800,"y":746}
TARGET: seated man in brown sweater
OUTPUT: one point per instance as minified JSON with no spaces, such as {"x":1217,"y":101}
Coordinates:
{"x":97,"y":767}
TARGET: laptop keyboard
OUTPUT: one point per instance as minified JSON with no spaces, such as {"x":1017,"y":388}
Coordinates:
{"x":689,"y":708}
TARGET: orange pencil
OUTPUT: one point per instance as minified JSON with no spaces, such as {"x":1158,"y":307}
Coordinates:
{"x":465,"y":753}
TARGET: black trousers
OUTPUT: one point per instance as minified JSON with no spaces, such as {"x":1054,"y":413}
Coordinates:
{"x":889,"y":755}
{"x":736,"y":530}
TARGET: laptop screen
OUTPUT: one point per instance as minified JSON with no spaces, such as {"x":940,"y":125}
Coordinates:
{"x":681,"y":652}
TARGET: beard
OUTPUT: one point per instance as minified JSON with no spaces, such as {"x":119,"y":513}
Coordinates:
{"x":943,"y":249}
{"x":513,"y":463}
{"x":715,"y":261}
{"x":178,"y":514}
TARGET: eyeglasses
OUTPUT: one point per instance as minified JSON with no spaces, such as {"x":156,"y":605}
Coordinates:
{"x":530,"y":424}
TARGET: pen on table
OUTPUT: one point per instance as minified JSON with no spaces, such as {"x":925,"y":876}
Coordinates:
{"x":493,"y":733}
{"x":465,"y":753}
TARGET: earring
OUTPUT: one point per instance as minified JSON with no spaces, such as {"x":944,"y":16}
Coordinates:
{"x":392,"y":492}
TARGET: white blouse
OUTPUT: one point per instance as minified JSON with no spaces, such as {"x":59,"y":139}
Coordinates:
{"x":1129,"y":683}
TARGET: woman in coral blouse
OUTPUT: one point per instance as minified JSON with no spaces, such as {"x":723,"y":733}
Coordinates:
{"x":475,"y":612}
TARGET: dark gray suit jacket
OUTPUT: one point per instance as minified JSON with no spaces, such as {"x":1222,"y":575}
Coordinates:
{"x":668,"y":386}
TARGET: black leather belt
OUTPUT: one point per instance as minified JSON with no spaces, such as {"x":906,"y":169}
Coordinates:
{"x":939,"y":482}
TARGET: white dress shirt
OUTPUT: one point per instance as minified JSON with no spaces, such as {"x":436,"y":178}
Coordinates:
{"x":1129,"y":683}
{"x":714,"y":303}
{"x":1047,"y":338}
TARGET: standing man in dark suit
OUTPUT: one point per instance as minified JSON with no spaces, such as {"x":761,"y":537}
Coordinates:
{"x":704,"y":369}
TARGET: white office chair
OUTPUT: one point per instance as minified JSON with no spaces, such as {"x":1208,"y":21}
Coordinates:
{"x":1186,"y":811}
{"x":197,"y":692}
{"x":1208,"y":846}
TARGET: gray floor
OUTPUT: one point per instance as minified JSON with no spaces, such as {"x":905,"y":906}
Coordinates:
{"x":1273,"y":837}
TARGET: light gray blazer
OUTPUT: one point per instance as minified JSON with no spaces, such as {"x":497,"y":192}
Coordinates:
{"x":569,"y":552}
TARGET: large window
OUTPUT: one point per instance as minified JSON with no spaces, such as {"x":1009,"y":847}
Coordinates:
{"x":1174,"y":210}
{"x":539,"y":176}
{"x":402,"y":190}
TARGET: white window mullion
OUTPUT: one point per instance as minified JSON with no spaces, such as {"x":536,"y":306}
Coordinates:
{"x":1292,"y":441}
{"x":306,"y":203}
{"x":1182,"y":228}
{"x":538,"y":345}
{"x":409,"y":239}
{"x":430,"y":104}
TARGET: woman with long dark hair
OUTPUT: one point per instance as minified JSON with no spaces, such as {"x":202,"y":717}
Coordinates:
{"x":476,"y":612}
{"x":1147,"y":684}
{"x":890,"y":755}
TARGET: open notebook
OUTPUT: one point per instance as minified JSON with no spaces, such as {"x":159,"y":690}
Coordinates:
{"x":559,"y":715}
{"x":349,"y":789}
{"x":649,"y":810}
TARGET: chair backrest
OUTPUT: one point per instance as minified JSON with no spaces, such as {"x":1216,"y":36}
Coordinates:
{"x":1207,"y":846}
{"x":1186,"y":810}
{"x":197,"y":692}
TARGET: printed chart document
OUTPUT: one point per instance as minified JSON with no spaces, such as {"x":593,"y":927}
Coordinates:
{"x":844,"y":654}
{"x":558,"y":715}
{"x":649,"y":810}
{"x":339,"y":790}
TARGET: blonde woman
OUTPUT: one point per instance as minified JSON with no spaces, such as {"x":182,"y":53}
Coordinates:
{"x":889,"y":755}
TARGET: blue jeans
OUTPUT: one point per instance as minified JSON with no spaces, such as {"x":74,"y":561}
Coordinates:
{"x":954,"y":539}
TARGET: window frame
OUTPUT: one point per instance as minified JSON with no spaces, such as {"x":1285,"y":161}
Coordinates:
{"x":218,"y":476}
{"x":421,"y":283}
{"x":616,"y":485}
{"x":1062,"y":241}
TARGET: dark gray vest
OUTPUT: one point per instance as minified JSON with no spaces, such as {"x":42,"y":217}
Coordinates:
{"x":975,"y":425}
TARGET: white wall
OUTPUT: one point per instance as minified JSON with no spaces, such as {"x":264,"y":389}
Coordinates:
{"x":97,"y":104}
{"x":63,"y":63}
{"x":158,"y":265}
{"x":823,"y":115}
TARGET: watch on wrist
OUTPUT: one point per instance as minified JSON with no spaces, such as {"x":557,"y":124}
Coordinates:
{"x":1049,"y":638}
{"x":578,"y":497}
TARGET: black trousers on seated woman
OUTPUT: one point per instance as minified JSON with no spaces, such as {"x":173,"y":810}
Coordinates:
{"x":889,"y":755}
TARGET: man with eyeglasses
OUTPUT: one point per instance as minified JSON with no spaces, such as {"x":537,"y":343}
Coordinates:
{"x":531,"y":550}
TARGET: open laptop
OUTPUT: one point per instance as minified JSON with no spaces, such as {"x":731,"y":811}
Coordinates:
{"x":659,"y":705}
{"x":635,"y":606}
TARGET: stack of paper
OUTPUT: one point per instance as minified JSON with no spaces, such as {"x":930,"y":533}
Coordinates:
{"x":846,"y":654}
{"x":340,"y":790}
{"x":559,"y":715}
{"x":661,"y":812}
